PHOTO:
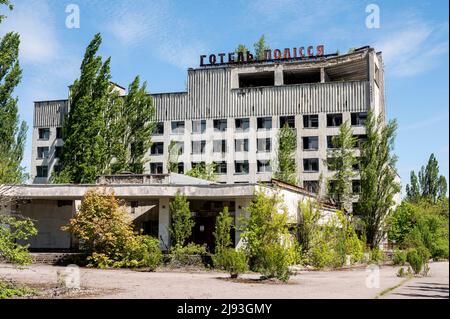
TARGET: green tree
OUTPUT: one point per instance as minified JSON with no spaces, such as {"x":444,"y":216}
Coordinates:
{"x":241,"y":49}
{"x":172,"y":158}
{"x":12,"y":133}
{"x":402,"y":221}
{"x":260,"y":46}
{"x":180,"y":228}
{"x":287,"y":146}
{"x":136,"y":123}
{"x":204,"y":171}
{"x":378,"y":177}
{"x":429,"y":179}
{"x":9,"y":5}
{"x":442,"y":187}
{"x":342,"y":161}
{"x":222,"y":233}
{"x":307,"y":224}
{"x":413,"y":189}
{"x":85,"y":148}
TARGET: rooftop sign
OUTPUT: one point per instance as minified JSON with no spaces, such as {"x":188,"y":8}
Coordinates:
{"x":300,"y":53}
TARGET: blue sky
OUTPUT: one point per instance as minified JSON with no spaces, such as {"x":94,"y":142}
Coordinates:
{"x":159,"y":40}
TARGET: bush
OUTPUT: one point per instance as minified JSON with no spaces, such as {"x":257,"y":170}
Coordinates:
{"x":143,"y":251}
{"x":376,"y":255}
{"x":232,"y":260}
{"x":321,"y":255}
{"x":274,"y":262}
{"x":415,"y":260}
{"x":399,"y":257}
{"x":189,"y":255}
{"x":9,"y":289}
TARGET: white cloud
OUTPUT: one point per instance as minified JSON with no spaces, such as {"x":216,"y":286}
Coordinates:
{"x":414,"y":48}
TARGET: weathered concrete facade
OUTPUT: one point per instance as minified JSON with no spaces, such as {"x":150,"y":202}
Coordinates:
{"x":244,"y":106}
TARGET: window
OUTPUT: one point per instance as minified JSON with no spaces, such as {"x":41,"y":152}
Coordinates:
{"x":334,"y":119}
{"x":356,"y":166}
{"x":256,"y":79}
{"x":311,"y":143}
{"x":301,"y":76}
{"x":330,"y":143}
{"x":358,"y":119}
{"x":42,"y":171}
{"x":58,"y":151}
{"x":241,"y":145}
{"x":311,"y":121}
{"x":264,"y":144}
{"x":180,"y":168}
{"x":178,"y":127}
{"x":311,"y":186}
{"x":220,"y":125}
{"x":198,"y":127}
{"x":333,"y":163}
{"x":219,"y":146}
{"x":332,"y":187}
{"x":264,"y":123}
{"x":241,"y":167}
{"x":42,"y":152}
{"x":360,"y":139}
{"x":59,"y":132}
{"x":311,"y":164}
{"x":57,"y":168}
{"x":44,"y":133}
{"x":242,"y":125}
{"x":356,"y":186}
{"x":159,"y":129}
{"x":195,"y":164}
{"x":177,"y":148}
{"x":156,"y":168}
{"x":62,"y":203}
{"x":157,"y":149}
{"x":289,"y":120}
{"x":221,"y":167}
{"x":198,"y":147}
{"x":264,"y":166}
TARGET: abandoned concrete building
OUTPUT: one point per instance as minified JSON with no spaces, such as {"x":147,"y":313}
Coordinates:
{"x":146,"y":198}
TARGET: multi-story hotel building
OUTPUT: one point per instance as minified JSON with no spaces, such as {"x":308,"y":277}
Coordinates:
{"x":231,"y":114}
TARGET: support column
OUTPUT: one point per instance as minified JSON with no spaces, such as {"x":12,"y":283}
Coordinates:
{"x":241,"y":204}
{"x":163,"y":224}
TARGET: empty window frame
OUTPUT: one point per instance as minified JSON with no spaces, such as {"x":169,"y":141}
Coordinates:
{"x":220,"y":125}
{"x":256,"y":79}
{"x":177,"y":127}
{"x":358,"y":118}
{"x":180,"y":168}
{"x":42,"y":152}
{"x":44,"y":133}
{"x":176,"y":148}
{"x":311,"y":186}
{"x":159,"y":128}
{"x":59,"y":132}
{"x":157,"y":148}
{"x":264,"y":166}
{"x":198,"y":126}
{"x":58,"y":151}
{"x":360,"y":139}
{"x":198,"y":147}
{"x":301,"y":76}
{"x":330,"y":143}
{"x":356,"y":186}
{"x":241,"y":167}
{"x":219,"y":146}
{"x":310,"y":143}
{"x":311,"y":165}
{"x":42,"y":171}
{"x":195,"y":164}
{"x":332,"y":184}
{"x":241,"y":145}
{"x":287,"y":120}
{"x":221,"y":167}
{"x":334,"y":120}
{"x":242,"y":125}
{"x":311,"y":121}
{"x":264,"y":123}
{"x":156,"y":168}
{"x":264,"y":144}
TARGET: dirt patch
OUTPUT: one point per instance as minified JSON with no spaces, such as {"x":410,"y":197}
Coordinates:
{"x":269,"y":281}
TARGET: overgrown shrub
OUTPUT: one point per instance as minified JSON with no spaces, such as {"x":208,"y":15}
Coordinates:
{"x":399,"y":257}
{"x":9,"y":289}
{"x":189,"y":255}
{"x":232,"y":260}
{"x":143,"y":251}
{"x":376,"y":255}
{"x":182,"y":222}
{"x":415,"y":260}
{"x":274,"y":262}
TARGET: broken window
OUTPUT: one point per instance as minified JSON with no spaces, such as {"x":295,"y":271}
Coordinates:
{"x":241,"y":145}
{"x":264,"y":144}
{"x":330,"y":143}
{"x":264,"y":123}
{"x":177,"y":127}
{"x":334,"y":119}
{"x":42,"y":152}
{"x":287,"y":120}
{"x":180,"y":168}
{"x":358,"y":118}
{"x":220,"y":125}
{"x":159,"y":129}
{"x":242,"y":125}
{"x":157,"y":148}
{"x":311,"y":143}
{"x":311,"y":186}
{"x":360,"y":139}
{"x":156,"y":168}
{"x":221,"y":167}
{"x":58,"y":151}
{"x":241,"y":167}
{"x":42,"y":171}
{"x":311,"y":121}
{"x":44,"y":133}
{"x":301,"y":76}
{"x":256,"y":79}
{"x":59,"y":132}
{"x":198,"y":126}
{"x":264,"y":166}
{"x":311,"y":164}
{"x":198,"y":147}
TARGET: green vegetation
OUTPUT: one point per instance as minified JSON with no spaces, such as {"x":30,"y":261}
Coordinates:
{"x":9,"y":289}
{"x":399,"y":257}
{"x":260,"y":46}
{"x":105,"y":233}
{"x":182,"y":222}
{"x":287,"y":145}
{"x":232,"y":260}
{"x":204,"y":171}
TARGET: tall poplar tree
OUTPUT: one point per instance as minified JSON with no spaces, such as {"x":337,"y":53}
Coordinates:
{"x":260,"y":46}
{"x":12,"y":132}
{"x":287,"y":146}
{"x":378,"y":177}
{"x":413,"y":189}
{"x":342,"y":160}
{"x":84,"y":150}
